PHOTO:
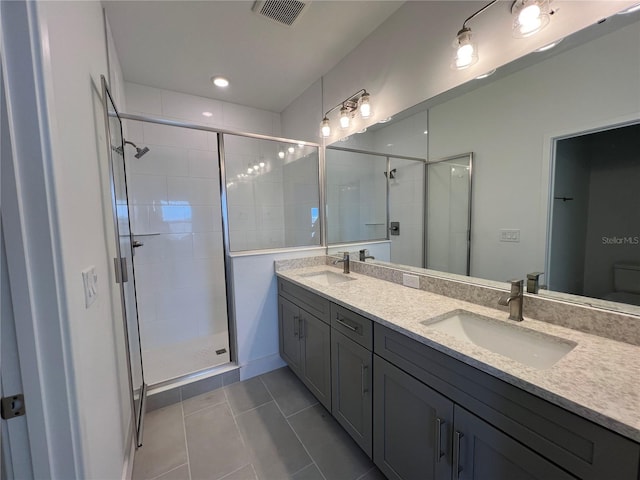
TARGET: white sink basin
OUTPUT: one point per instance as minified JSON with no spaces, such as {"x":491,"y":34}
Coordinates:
{"x":531,"y":348}
{"x":327,"y":277}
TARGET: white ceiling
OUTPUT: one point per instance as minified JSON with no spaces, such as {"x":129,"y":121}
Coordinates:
{"x":180,"y":45}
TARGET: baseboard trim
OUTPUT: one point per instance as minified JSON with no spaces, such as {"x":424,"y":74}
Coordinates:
{"x":260,"y":366}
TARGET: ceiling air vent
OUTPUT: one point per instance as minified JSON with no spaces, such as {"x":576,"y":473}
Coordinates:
{"x":282,"y":11}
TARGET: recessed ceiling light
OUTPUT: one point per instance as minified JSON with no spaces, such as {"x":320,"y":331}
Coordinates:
{"x":632,"y":9}
{"x":385,"y":120}
{"x":220,"y":81}
{"x":549,"y":46}
{"x":485,"y":75}
{"x":207,"y":114}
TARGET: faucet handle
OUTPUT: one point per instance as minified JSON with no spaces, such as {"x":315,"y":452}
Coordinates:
{"x":533,"y":282}
{"x":516,"y":285}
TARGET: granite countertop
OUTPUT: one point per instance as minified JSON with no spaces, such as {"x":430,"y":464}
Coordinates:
{"x":598,"y":380}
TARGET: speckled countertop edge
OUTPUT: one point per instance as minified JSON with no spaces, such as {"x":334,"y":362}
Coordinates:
{"x":597,"y":380}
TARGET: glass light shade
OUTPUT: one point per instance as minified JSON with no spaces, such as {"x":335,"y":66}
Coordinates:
{"x":280,"y":154}
{"x":466,"y":50}
{"x":365,"y":106}
{"x":325,"y":128}
{"x":344,"y":117}
{"x":291,"y":149}
{"x":529,"y":17}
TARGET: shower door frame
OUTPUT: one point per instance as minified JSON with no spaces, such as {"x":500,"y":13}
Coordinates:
{"x":137,"y":414}
{"x":469,"y":156}
{"x":220,"y":133}
{"x":388,"y":156}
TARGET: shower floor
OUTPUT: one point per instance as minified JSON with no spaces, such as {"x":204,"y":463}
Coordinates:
{"x":173,"y":361}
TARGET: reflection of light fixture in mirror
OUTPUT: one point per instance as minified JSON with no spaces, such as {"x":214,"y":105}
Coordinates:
{"x":426,"y":132}
{"x":466,"y":50}
{"x":385,"y":120}
{"x":549,"y":46}
{"x":363,"y":130}
{"x":358,"y":102}
{"x":301,"y":145}
{"x":344,"y":117}
{"x":250,"y":169}
{"x":529,"y":17}
{"x":261,"y":164}
{"x":325,"y":128}
{"x":281,"y":154}
{"x":485,"y":75}
{"x":207,"y":114}
{"x":631,"y":9}
{"x":291,"y":149}
{"x":365,"y":106}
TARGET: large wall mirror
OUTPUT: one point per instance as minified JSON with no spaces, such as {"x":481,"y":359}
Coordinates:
{"x":556,"y":170}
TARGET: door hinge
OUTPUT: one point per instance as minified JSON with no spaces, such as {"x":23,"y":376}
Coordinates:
{"x":120,"y":265}
{"x":13,"y":406}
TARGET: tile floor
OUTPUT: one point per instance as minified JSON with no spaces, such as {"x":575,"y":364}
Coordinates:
{"x":266,"y":428}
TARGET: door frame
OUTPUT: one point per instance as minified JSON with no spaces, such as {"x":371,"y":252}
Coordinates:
{"x":34,"y":254}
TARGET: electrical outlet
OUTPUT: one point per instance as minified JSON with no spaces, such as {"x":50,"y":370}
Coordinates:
{"x":412,"y":281}
{"x":510,"y":235}
{"x":90,"y":283}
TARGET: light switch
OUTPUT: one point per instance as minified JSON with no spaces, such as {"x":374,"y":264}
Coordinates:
{"x":90,"y":283}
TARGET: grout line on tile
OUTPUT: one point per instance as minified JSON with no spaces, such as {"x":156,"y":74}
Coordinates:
{"x":205,"y":408}
{"x":295,"y":433}
{"x":184,"y":431}
{"x":173,"y":469}
{"x":366,"y":473}
{"x":302,"y":409}
{"x":254,"y":470}
{"x":235,"y":422}
{"x":306,"y":466}
{"x":253,"y":409}
{"x":226,"y":475}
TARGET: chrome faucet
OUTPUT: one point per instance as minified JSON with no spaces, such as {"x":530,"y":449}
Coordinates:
{"x":344,"y":261}
{"x":364,"y":254}
{"x":514,"y":300}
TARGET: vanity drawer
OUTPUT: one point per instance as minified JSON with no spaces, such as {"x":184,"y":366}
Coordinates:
{"x":356,"y":327}
{"x":309,"y":301}
{"x":578,"y":445}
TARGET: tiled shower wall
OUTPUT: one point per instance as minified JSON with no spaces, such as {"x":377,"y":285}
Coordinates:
{"x":174,"y":190}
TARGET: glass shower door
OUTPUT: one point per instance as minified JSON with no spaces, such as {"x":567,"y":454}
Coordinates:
{"x":124,"y":261}
{"x":448,"y":214}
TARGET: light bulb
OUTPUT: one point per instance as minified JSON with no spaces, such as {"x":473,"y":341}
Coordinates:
{"x":344,"y":117}
{"x":466,"y":51}
{"x":530,"y":16}
{"x":220,"y":82}
{"x":365,"y":106}
{"x":325,"y":128}
{"x":281,"y":154}
{"x":261,"y":164}
{"x":291,"y":149}
{"x":249,"y":170}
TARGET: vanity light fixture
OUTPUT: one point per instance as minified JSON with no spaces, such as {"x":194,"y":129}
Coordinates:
{"x":359,"y":101}
{"x":281,"y":154}
{"x":530,"y":16}
{"x":291,"y":149}
{"x":207,"y":114}
{"x":466,"y":49}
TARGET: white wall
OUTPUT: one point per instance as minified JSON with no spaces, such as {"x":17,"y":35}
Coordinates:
{"x":74,"y":60}
{"x":510,"y":130}
{"x":406,"y":60}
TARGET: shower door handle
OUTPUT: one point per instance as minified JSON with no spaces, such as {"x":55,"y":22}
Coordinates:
{"x":137,"y":243}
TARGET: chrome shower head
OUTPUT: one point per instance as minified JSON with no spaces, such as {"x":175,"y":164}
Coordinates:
{"x":139,"y":151}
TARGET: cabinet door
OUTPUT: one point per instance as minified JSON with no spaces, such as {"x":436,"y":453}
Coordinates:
{"x":481,"y":451}
{"x":351,"y":393}
{"x":315,"y":338}
{"x":289,"y":319}
{"x":412,"y":431}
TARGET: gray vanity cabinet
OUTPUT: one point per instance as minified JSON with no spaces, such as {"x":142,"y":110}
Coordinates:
{"x":412,"y":431}
{"x":305,"y":339}
{"x":481,"y":451}
{"x":352,"y":388}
